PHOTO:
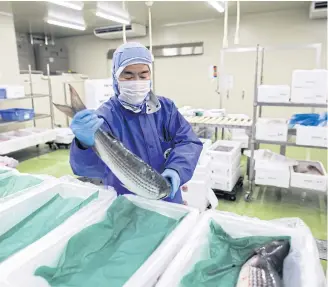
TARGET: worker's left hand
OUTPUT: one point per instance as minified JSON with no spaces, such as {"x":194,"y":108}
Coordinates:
{"x":173,"y":177}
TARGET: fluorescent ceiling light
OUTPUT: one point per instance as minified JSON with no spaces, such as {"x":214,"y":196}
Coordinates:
{"x":113,"y":18}
{"x":218,"y":5}
{"x":187,"y":23}
{"x":65,"y":24}
{"x":76,"y":5}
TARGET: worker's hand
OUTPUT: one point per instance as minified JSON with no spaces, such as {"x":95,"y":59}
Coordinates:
{"x":173,"y":177}
{"x":84,"y":126}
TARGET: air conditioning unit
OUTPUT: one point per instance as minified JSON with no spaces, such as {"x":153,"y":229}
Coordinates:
{"x":318,"y":10}
{"x":116,"y":32}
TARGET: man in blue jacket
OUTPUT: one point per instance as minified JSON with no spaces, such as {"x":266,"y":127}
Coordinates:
{"x":149,"y":126}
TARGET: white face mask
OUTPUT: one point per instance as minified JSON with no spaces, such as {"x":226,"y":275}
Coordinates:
{"x":134,"y":92}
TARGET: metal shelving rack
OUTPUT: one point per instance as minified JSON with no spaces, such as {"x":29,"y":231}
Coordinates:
{"x":253,"y":141}
{"x":31,"y":97}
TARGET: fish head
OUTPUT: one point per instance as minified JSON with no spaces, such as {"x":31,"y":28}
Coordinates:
{"x":275,"y":252}
{"x":165,"y":188}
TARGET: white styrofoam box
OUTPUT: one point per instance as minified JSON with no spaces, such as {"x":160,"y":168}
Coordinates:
{"x":13,"y":92}
{"x":19,"y":270}
{"x":215,"y":113}
{"x":203,"y":156}
{"x":309,"y":86}
{"x":224,"y":156}
{"x":64,"y":135}
{"x":25,"y":138}
{"x":274,"y":176}
{"x":97,"y":92}
{"x":273,"y":94}
{"x":272,"y":129}
{"x":195,"y":193}
{"x":225,"y":169}
{"x":25,"y":190}
{"x":225,"y":183}
{"x":312,"y":136}
{"x":309,"y":181}
{"x":302,"y":266}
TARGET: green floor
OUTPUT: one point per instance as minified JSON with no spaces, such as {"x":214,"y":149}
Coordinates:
{"x":267,"y":203}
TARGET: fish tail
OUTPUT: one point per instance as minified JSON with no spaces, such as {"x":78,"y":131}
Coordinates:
{"x":77,"y":104}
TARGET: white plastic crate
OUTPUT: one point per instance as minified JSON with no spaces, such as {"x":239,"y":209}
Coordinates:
{"x":19,"y":270}
{"x":309,"y":86}
{"x":225,"y":183}
{"x":225,"y":169}
{"x":273,"y":94}
{"x":272,"y":129}
{"x":302,"y":266}
{"x":233,"y":148}
{"x":312,"y":136}
{"x":309,"y":181}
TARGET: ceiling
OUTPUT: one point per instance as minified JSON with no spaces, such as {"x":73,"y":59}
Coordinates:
{"x":29,"y":15}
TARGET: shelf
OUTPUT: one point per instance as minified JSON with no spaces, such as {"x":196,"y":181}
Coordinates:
{"x":25,"y":98}
{"x":287,"y":144}
{"x":305,"y":105}
{"x":9,"y":123}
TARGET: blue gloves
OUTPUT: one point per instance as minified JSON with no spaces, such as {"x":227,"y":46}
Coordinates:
{"x":173,"y":177}
{"x":84,"y":126}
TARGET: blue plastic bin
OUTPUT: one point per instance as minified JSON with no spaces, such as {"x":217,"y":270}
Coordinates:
{"x":3,"y":93}
{"x":17,"y":114}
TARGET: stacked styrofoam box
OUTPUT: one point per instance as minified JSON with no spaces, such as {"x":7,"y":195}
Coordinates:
{"x":312,"y":136}
{"x":272,"y":129}
{"x":13,"y":92}
{"x":97,"y":92}
{"x":310,"y":181}
{"x":309,"y":86}
{"x":203,"y":156}
{"x":224,"y":164}
{"x":19,"y":269}
{"x":239,"y":135}
{"x":64,"y":135}
{"x":273,"y":94}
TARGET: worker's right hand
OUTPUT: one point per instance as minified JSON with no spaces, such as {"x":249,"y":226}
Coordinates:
{"x":84,"y":126}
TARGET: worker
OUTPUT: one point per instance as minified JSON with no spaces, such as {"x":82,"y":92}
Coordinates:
{"x":149,"y":126}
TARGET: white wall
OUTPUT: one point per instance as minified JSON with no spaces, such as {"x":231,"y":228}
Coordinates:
{"x":186,"y":79}
{"x":9,"y":68}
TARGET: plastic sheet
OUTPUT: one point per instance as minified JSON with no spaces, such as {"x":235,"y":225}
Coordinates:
{"x":39,"y":223}
{"x":226,"y":258}
{"x":15,"y":183}
{"x":109,"y":252}
{"x":309,"y":119}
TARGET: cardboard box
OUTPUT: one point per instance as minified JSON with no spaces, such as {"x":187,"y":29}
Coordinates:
{"x":273,"y":94}
{"x":309,"y":86}
{"x":271,"y":129}
{"x":224,"y":151}
{"x":309,"y":181}
{"x":312,"y":136}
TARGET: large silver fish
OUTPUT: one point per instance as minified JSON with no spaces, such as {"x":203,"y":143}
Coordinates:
{"x":264,"y":268}
{"x":136,"y":175}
